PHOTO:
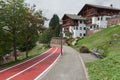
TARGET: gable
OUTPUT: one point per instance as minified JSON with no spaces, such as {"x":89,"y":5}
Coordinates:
{"x":93,"y":10}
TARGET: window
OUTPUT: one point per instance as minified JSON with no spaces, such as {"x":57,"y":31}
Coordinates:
{"x":84,"y":34}
{"x":90,"y":27}
{"x":84,"y":28}
{"x":97,"y":27}
{"x":67,"y":28}
{"x":76,"y":28}
{"x":80,"y":21}
{"x":101,"y":18}
{"x":75,"y":22}
{"x":107,"y":18}
{"x":98,"y":18}
{"x":94,"y":26}
{"x":80,"y":34}
{"x":80,"y":28}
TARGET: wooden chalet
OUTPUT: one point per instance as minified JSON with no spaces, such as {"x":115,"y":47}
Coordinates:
{"x":71,"y":20}
{"x":89,"y":20}
{"x":90,"y":10}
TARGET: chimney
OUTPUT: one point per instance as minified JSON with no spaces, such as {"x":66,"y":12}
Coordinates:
{"x":111,"y":5}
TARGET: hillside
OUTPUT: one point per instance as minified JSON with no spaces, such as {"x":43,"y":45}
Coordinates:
{"x":107,"y":68}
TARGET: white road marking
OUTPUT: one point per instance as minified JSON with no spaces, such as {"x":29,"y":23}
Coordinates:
{"x":24,"y":62}
{"x":31,"y":66}
{"x":39,"y":77}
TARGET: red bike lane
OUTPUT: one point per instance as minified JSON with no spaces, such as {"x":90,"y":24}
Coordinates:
{"x":38,"y":69}
{"x":16,"y":69}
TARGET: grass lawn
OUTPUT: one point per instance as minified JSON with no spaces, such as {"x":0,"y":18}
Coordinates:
{"x":37,"y":50}
{"x":107,"y":68}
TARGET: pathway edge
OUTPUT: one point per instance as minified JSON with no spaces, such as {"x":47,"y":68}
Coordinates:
{"x":84,"y":67}
{"x":47,"y":70}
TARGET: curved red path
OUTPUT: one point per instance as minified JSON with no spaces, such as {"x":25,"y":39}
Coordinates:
{"x":31,"y":69}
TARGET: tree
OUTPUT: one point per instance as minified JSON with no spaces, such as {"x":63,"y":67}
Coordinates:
{"x":45,"y":38}
{"x":28,"y":35}
{"x":54,"y":22}
{"x":21,"y":22}
{"x":68,"y":34}
{"x":5,"y":43}
{"x":53,"y":31}
{"x":12,"y":17}
{"x":57,"y":31}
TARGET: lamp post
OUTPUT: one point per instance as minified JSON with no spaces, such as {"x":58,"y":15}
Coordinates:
{"x":61,"y":36}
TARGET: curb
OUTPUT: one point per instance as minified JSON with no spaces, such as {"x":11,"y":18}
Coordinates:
{"x":84,"y":67}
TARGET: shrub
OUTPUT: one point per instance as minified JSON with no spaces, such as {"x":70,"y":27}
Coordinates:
{"x":68,"y":34}
{"x":45,"y":38}
{"x":69,"y":41}
{"x":84,"y":49}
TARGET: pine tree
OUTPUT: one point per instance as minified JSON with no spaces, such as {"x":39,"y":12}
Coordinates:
{"x":54,"y":25}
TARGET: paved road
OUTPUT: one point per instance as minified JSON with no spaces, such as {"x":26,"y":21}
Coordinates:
{"x":29,"y":70}
{"x":68,"y":67}
{"x":88,"y":57}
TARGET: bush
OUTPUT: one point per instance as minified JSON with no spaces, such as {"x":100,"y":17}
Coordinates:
{"x":45,"y":38}
{"x":84,"y":49}
{"x":69,"y":41}
{"x":68,"y":34}
{"x":22,"y":46}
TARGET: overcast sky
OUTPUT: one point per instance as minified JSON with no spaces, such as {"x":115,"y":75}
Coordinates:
{"x":61,"y":7}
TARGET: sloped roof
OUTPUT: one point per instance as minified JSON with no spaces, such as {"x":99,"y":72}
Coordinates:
{"x":74,"y":17}
{"x":104,"y":7}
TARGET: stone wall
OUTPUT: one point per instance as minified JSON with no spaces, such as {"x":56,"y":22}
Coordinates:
{"x":57,"y":41}
{"x":113,"y":21}
{"x":89,"y":32}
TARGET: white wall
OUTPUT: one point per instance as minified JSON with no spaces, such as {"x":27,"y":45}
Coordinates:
{"x":102,"y":22}
{"x":92,"y":27}
{"x":71,"y":28}
{"x":80,"y":30}
{"x":94,"y":20}
{"x":76,"y":30}
{"x":63,"y":32}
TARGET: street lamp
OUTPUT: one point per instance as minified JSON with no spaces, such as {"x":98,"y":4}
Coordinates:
{"x":61,"y":35}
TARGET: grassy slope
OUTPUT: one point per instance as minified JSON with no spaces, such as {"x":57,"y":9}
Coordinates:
{"x":109,"y":67}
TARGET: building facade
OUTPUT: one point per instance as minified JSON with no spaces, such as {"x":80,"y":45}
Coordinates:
{"x":75,"y":25}
{"x":90,"y":19}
